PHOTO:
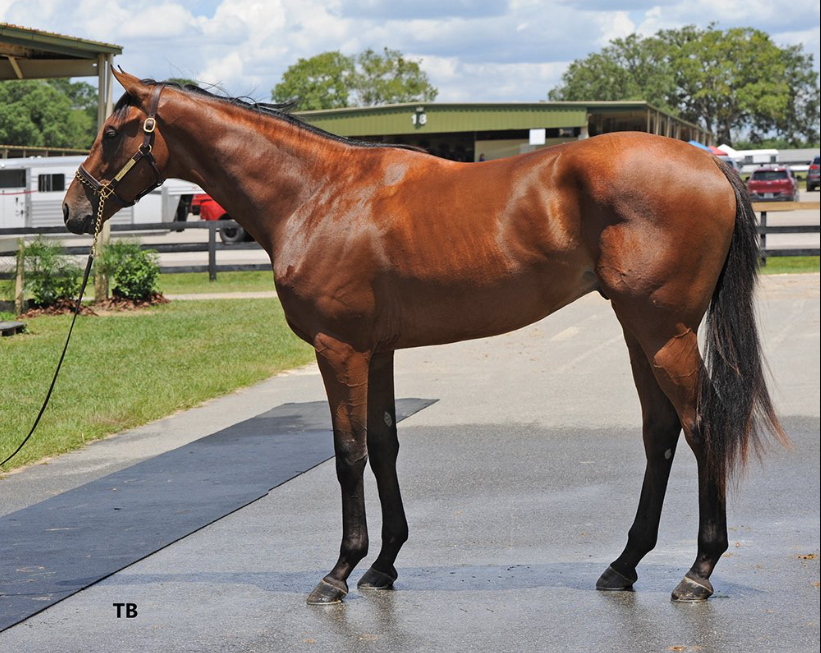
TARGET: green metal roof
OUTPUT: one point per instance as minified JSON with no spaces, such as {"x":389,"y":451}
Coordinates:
{"x":440,"y":117}
{"x":394,"y":119}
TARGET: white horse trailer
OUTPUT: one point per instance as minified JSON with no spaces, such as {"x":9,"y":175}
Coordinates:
{"x":32,"y":191}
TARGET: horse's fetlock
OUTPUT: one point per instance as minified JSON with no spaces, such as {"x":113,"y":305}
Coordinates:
{"x":641,"y":541}
{"x":395,"y":539}
{"x":355,"y":548}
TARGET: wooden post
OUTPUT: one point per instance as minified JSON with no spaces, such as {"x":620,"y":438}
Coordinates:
{"x":100,"y":278}
{"x":212,"y":251}
{"x":763,"y":238}
{"x":18,"y":284}
{"x":104,"y":108}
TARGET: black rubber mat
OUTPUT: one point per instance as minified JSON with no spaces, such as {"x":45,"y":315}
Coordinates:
{"x":64,"y":544}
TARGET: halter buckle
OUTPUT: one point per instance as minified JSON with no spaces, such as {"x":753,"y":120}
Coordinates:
{"x":149,"y":125}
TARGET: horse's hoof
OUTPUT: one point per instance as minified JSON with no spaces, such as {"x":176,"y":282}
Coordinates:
{"x":328,"y":592}
{"x":692,"y":590}
{"x":373,"y":579}
{"x":614,"y":581}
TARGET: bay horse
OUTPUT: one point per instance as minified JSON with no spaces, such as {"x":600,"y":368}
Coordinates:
{"x":375,"y":248}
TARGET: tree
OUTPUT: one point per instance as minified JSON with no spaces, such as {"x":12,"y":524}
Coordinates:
{"x":53,"y":113}
{"x":389,"y":78}
{"x":730,"y":81}
{"x":332,"y":80}
{"x":632,"y":68}
{"x":322,"y":82}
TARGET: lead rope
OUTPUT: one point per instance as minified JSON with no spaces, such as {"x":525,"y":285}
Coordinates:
{"x":77,"y":307}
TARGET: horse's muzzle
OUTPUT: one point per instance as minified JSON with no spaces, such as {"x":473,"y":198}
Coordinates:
{"x":84,"y":225}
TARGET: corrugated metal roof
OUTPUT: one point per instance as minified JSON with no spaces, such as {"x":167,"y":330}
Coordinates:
{"x":35,"y":54}
{"x":42,"y":43}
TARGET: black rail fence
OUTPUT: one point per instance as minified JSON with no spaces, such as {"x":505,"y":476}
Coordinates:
{"x":213,"y":245}
{"x":764,"y":229}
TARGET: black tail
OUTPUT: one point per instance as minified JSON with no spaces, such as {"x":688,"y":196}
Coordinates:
{"x":735,"y":410}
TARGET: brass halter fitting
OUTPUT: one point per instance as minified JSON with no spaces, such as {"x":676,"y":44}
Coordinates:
{"x":106,"y":189}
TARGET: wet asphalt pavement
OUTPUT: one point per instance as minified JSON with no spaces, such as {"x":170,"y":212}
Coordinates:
{"x":520,"y":485}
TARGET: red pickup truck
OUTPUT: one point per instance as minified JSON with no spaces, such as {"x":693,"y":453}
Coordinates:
{"x":207,"y":208}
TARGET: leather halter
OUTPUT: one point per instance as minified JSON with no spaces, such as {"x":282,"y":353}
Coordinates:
{"x":106,"y":189}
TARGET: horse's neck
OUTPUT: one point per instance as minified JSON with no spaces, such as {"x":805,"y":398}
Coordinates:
{"x":258,"y":168}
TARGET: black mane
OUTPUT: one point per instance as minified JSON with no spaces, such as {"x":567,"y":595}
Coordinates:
{"x":278,"y":111}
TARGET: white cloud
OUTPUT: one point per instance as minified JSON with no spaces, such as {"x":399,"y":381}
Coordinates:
{"x":472,"y":50}
{"x":614,"y":25}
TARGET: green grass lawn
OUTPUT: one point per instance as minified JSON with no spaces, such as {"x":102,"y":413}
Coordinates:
{"x":787,"y":264}
{"x":127,"y":369}
{"x":197,"y":282}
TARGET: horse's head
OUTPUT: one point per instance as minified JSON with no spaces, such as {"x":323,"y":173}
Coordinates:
{"x":125,"y":162}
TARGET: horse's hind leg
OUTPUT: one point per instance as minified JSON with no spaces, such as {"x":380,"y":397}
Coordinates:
{"x":672,"y":349}
{"x":383,"y":448}
{"x":345,"y":374}
{"x":660,"y":430}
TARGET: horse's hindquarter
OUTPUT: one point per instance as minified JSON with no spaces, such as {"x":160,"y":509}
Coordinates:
{"x":658,"y":215}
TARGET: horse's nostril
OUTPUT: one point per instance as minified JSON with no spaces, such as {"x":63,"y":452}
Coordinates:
{"x":65,"y":212}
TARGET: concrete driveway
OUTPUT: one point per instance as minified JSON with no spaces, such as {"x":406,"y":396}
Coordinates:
{"x":520,"y":485}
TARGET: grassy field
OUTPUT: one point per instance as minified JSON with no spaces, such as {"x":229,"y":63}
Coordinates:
{"x":194,"y":282}
{"x":128,"y":369}
{"x":791,"y":264}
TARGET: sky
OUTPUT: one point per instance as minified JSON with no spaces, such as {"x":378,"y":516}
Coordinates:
{"x":472,"y":50}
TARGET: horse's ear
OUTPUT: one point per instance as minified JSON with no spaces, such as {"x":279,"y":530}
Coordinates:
{"x":132,"y":85}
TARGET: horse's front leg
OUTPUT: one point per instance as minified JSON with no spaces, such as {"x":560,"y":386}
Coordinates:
{"x":383,"y":447}
{"x":345,"y":373}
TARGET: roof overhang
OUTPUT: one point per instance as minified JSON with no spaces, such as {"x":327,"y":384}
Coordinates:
{"x":34,"y":54}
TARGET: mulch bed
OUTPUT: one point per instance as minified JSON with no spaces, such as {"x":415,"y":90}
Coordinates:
{"x":114,"y":304}
{"x":122,"y":304}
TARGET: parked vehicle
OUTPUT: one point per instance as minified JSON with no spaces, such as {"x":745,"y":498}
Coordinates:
{"x":730,"y":161}
{"x":207,"y":208}
{"x":32,"y":191}
{"x":813,"y":182}
{"x":772,"y":183}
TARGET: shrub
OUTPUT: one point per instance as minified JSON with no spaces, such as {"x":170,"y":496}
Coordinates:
{"x":132,"y":271}
{"x":50,"y":276}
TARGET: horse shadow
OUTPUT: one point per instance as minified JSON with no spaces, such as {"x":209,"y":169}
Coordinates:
{"x":446,"y":578}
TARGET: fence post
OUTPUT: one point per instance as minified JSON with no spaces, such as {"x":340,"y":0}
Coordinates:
{"x":18,"y":284}
{"x":763,"y":238}
{"x":212,"y":251}
{"x":100,"y":278}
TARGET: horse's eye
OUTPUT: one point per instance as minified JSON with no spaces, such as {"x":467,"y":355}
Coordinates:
{"x":110,"y":132}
